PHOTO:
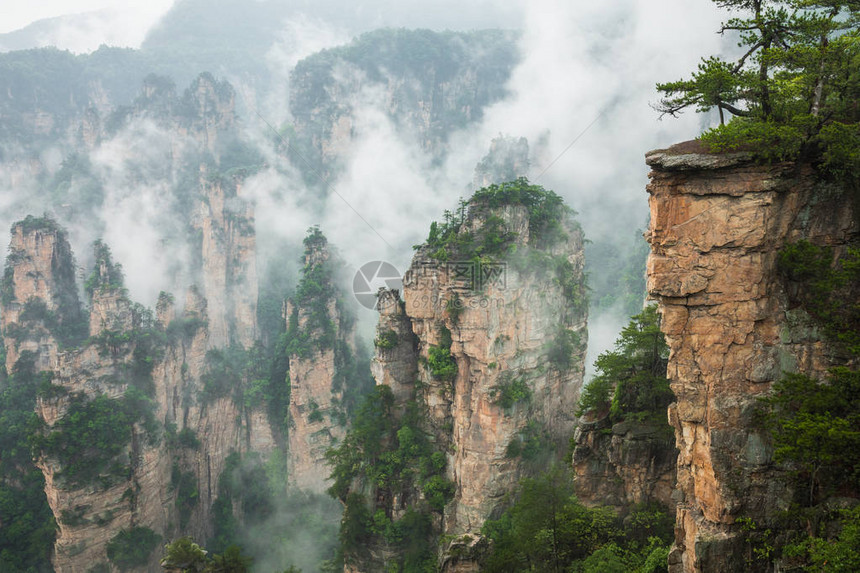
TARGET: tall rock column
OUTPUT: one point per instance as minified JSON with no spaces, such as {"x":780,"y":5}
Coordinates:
{"x":478,"y":370}
{"x":322,"y":353}
{"x":39,"y":292}
{"x":518,"y":340}
{"x":717,"y":225}
{"x":224,"y":222}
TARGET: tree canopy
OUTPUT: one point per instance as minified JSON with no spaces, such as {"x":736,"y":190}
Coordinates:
{"x":631,"y":379}
{"x":792,"y":88}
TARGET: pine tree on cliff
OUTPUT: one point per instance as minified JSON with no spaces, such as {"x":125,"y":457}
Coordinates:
{"x":794,"y":89}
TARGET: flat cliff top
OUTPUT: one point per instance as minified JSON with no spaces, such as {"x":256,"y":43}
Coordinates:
{"x":693,"y":155}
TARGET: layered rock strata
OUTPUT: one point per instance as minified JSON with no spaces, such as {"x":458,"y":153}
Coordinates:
{"x":499,"y":321}
{"x":155,"y":369}
{"x":717,"y":225}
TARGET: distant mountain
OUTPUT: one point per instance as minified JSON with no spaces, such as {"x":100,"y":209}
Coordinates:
{"x":84,"y":32}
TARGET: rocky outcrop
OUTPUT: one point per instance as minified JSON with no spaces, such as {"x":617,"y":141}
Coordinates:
{"x":224,"y":222}
{"x":717,"y":224}
{"x":171,"y":428}
{"x":395,"y":362}
{"x":315,"y":421}
{"x":447,"y":88}
{"x":623,"y":464}
{"x":473,"y":344}
{"x":39,"y":294}
{"x":322,"y":374}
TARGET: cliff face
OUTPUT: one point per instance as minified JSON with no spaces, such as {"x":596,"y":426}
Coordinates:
{"x":326,"y":371}
{"x":500,"y":336}
{"x":224,"y":222}
{"x":39,"y":292}
{"x":473,"y":345}
{"x":314,"y":407}
{"x":159,"y":468}
{"x":444,"y":89}
{"x":717,"y":224}
{"x":169,"y":378}
{"x":623,"y":464}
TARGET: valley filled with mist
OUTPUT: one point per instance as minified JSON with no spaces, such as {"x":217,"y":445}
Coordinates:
{"x":361,"y":287}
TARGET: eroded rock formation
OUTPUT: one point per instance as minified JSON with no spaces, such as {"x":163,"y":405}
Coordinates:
{"x":624,"y":464}
{"x":176,"y":415}
{"x":717,"y":224}
{"x":473,"y":346}
{"x":323,"y":377}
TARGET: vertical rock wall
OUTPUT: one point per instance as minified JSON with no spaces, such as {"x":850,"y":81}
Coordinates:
{"x":323,"y":344}
{"x":502,"y":320}
{"x":717,"y":224}
{"x":40,"y":271}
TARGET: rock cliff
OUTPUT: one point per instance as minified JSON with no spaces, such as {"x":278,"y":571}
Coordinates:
{"x":717,"y":224}
{"x":500,"y":335}
{"x":488,"y":350}
{"x":40,"y":297}
{"x":444,"y":89}
{"x":624,"y":464}
{"x":327,"y":373}
{"x":139,"y":418}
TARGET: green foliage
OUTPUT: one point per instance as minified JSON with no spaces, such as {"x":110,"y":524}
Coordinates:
{"x":185,"y":555}
{"x":561,"y":349}
{"x":187,"y":495}
{"x":815,"y":430}
{"x":44,"y":224}
{"x":91,"y":439}
{"x":386,"y":340}
{"x":770,"y":140}
{"x":187,"y":438}
{"x":793,"y":87}
{"x":132,"y":547}
{"x":409,"y":537}
{"x":315,"y":414}
{"x":106,"y":275}
{"x":547,"y":529}
{"x":837,"y":554}
{"x":244,"y":482}
{"x":822,"y":283}
{"x":547,"y":210}
{"x":69,"y":331}
{"x":232,"y":560}
{"x":76,"y":516}
{"x":547,"y":217}
{"x":596,"y":396}
{"x":442,"y":365}
{"x":185,"y":327}
{"x":27,"y":537}
{"x":510,"y":391}
{"x":439,"y":360}
{"x":390,"y":458}
{"x":75,"y":185}
{"x":814,"y":424}
{"x":316,"y":290}
{"x":224,"y":372}
{"x":636,"y":369}
{"x":145,"y":342}
{"x":7,"y":288}
{"x":533,"y":444}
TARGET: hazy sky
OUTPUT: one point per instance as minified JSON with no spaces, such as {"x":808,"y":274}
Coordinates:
{"x":587,"y":74}
{"x":18,"y":14}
